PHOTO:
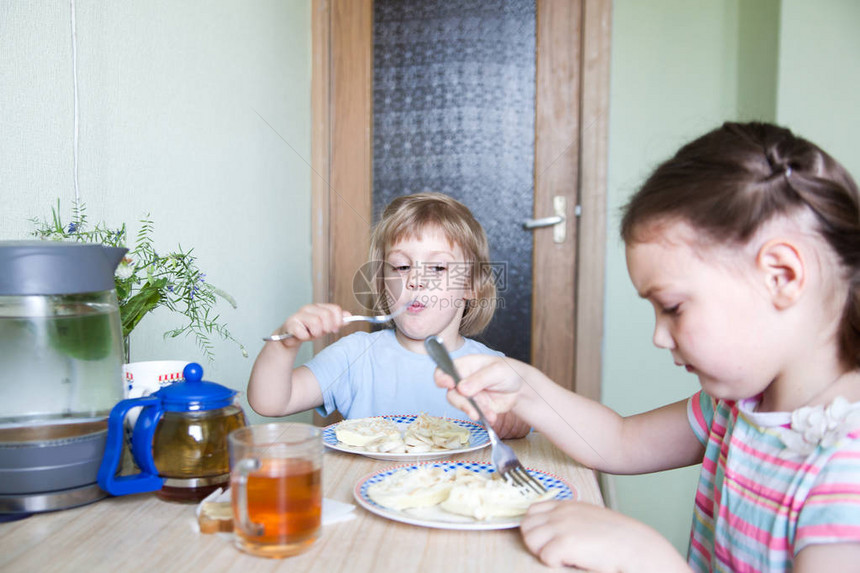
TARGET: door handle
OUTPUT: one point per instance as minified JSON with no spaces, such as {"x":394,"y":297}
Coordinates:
{"x":557,"y":221}
{"x":543,"y":222}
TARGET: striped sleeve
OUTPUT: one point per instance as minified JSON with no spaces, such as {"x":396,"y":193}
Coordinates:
{"x":831,"y":512}
{"x":700,"y":413}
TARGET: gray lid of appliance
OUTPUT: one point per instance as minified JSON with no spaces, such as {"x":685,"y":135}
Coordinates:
{"x":56,"y":268}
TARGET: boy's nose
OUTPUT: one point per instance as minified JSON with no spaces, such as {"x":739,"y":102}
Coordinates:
{"x":415,"y":279}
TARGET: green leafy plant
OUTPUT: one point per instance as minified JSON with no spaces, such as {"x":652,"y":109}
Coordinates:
{"x":146,"y":280}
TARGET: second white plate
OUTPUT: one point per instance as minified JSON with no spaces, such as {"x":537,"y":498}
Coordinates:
{"x":478,"y":439}
{"x":437,"y":518}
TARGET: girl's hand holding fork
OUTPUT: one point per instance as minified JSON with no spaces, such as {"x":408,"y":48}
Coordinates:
{"x":491,"y":381}
{"x":496,"y":384}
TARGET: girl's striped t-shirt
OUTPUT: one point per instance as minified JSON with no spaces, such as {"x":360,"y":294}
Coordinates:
{"x":759,"y":502}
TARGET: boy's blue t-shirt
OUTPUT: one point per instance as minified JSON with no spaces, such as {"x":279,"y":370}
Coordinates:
{"x":371,"y":374}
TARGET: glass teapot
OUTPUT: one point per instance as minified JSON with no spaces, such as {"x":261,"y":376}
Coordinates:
{"x":179,"y":440}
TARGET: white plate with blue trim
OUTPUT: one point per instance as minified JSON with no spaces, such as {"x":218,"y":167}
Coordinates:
{"x":439,"y":519}
{"x":478,"y":439}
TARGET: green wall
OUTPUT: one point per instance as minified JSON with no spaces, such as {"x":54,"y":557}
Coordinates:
{"x":819,"y":75}
{"x":680,"y":68}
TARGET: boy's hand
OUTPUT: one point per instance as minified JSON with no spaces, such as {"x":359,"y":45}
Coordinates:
{"x":595,"y":538}
{"x":312,"y":321}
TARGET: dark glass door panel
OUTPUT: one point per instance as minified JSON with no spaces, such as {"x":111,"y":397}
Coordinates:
{"x":453,"y":111}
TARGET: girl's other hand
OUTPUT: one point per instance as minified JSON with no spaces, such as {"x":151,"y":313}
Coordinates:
{"x":312,"y":321}
{"x":492,"y":381}
{"x":579,"y":534}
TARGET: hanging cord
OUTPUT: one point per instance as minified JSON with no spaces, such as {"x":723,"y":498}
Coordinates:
{"x":75,"y":84}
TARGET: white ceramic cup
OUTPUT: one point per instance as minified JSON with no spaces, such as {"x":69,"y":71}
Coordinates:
{"x":143,"y":378}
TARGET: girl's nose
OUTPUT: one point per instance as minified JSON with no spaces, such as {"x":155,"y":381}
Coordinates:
{"x":662,"y":337}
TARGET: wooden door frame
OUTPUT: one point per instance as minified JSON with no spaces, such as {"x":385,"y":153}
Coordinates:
{"x":572,"y":97}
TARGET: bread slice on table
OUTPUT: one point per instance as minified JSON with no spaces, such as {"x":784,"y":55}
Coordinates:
{"x":215,"y":516}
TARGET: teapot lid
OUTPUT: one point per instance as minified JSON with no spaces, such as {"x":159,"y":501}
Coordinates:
{"x":195,"y":394}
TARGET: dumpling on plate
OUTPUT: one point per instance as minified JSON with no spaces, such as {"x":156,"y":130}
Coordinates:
{"x":481,"y":497}
{"x":382,"y":435}
{"x":460,"y":492}
{"x":435,"y":433}
{"x":370,"y":432}
{"x":404,"y":489}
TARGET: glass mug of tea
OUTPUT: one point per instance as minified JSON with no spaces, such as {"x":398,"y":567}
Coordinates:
{"x":276,"y":487}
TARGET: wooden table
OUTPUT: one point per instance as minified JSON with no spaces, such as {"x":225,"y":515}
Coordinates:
{"x":143,"y":533}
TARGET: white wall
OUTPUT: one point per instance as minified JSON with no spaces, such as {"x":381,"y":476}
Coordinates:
{"x":194,"y":112}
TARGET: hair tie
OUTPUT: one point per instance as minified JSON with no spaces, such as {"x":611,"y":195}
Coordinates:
{"x":788,"y":171}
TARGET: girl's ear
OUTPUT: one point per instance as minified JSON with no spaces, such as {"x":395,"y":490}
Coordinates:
{"x":784,"y":270}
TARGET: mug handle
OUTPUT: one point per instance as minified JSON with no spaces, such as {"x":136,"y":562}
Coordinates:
{"x":242,"y":468}
{"x":123,"y":485}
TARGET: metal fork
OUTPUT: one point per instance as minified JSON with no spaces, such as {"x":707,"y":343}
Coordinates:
{"x":381,"y":319}
{"x":504,"y":459}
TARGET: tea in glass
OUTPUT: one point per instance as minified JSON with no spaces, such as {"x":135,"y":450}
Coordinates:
{"x":276,"y":485}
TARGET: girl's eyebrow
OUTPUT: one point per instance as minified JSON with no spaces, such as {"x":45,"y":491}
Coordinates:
{"x":651,"y":291}
{"x":433,"y":254}
{"x":647,"y":294}
{"x":663,"y":293}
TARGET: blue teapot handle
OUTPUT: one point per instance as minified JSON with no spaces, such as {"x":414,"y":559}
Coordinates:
{"x":144,"y":432}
